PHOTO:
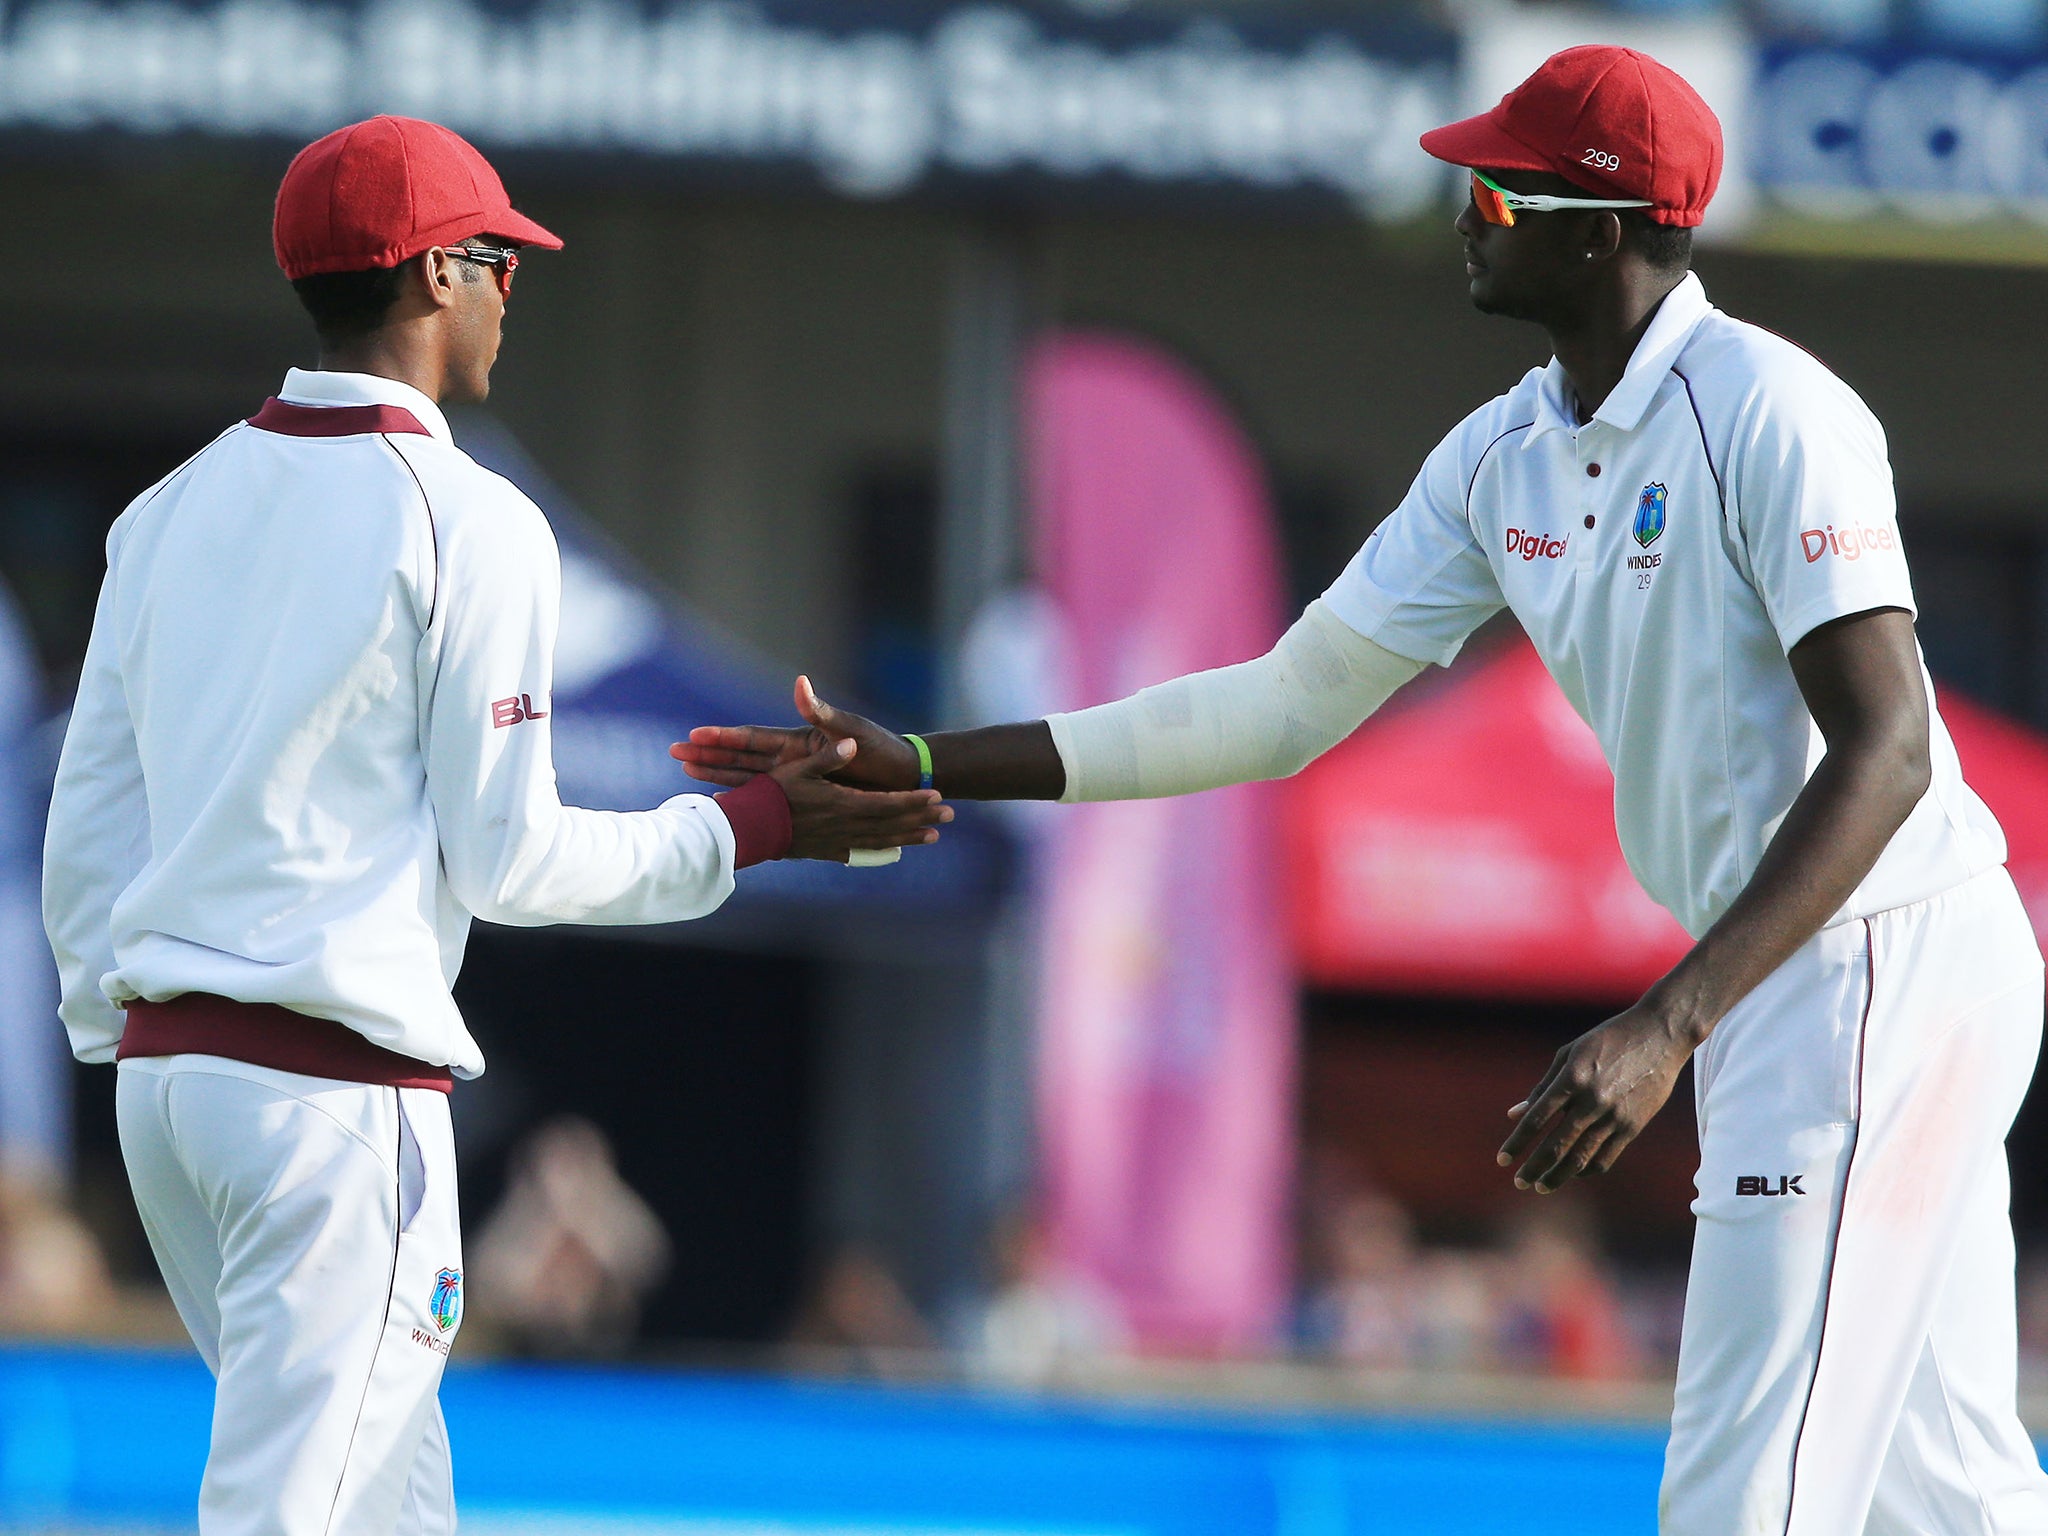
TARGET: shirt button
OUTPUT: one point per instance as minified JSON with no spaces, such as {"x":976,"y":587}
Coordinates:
{"x":1589,"y":519}
{"x":1593,"y":470}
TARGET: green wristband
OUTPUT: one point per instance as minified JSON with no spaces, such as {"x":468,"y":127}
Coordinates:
{"x":924,"y":760}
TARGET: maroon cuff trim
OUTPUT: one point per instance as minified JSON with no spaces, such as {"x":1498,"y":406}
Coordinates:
{"x":759,"y":813}
{"x":334,"y":420}
{"x":265,"y":1035}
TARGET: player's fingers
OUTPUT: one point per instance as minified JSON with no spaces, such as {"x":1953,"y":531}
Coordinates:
{"x":729,"y":778}
{"x":1571,"y":1156}
{"x":1544,"y":1101}
{"x":828,"y":759}
{"x":765,"y":739}
{"x":907,"y":837}
{"x":815,"y":709}
{"x":1611,"y":1149}
{"x":918,"y":807}
{"x":721,"y":757}
{"x":1565,"y":1131}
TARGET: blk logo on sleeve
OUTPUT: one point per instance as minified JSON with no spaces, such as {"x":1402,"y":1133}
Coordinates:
{"x":512,"y":711}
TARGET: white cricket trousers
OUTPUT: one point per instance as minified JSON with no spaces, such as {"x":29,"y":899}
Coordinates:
{"x":1849,"y":1350}
{"x":308,"y":1232}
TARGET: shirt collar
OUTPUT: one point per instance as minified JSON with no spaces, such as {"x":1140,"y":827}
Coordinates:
{"x":308,"y":386}
{"x":1670,"y":329}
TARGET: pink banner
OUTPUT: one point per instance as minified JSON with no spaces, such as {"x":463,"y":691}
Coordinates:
{"x":1167,"y":1023}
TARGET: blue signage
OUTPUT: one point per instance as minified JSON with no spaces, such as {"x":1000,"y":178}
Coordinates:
{"x":1841,"y":132}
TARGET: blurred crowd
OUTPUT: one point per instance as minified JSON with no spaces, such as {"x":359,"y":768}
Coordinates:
{"x":1540,"y":1299}
{"x":563,"y":1263}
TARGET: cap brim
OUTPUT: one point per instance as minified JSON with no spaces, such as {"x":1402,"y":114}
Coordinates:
{"x":518,"y":227}
{"x":1481,"y":143}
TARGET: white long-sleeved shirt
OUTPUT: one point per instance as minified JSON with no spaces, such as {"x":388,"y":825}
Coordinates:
{"x":311,"y":740}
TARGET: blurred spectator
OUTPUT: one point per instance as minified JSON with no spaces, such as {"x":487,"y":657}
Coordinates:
{"x":1382,"y":1301}
{"x":1378,"y":1299}
{"x":1561,"y":1312}
{"x":564,"y":1263}
{"x":858,"y":1304}
{"x":35,"y":1061}
{"x":52,"y":1277}
{"x":1038,"y":1320}
{"x":1367,"y":1311}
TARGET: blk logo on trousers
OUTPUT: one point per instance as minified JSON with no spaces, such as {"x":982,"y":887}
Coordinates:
{"x":1760,"y":1184}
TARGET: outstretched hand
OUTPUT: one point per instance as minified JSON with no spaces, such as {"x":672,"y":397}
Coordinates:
{"x":828,"y":820}
{"x":730,"y":755}
{"x":1599,"y":1093}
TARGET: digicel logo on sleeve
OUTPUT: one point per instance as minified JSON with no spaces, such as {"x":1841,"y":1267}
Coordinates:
{"x":1850,"y":543}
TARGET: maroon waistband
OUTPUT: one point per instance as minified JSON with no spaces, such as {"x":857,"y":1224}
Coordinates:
{"x":334,"y":420}
{"x":265,"y":1035}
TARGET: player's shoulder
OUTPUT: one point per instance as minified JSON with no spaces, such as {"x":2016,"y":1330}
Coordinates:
{"x":164,"y":492}
{"x":1499,"y":418}
{"x":467,"y":501}
{"x":1737,"y":369}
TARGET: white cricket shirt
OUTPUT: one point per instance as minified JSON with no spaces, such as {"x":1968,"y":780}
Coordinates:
{"x":1728,"y":497}
{"x":311,"y":739}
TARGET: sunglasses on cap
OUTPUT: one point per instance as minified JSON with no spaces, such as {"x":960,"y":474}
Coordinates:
{"x":1497,"y":205}
{"x":502,"y":262}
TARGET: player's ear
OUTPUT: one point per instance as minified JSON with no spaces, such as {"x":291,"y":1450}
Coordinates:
{"x":435,"y":273}
{"x":1603,"y":235}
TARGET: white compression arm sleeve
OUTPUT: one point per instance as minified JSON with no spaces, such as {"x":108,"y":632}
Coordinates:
{"x":1262,"y":719}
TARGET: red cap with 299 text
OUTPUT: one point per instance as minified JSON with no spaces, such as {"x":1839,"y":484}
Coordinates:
{"x":379,"y":192}
{"x":1611,"y":120}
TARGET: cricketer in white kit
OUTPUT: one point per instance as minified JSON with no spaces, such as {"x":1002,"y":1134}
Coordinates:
{"x":310,"y":743}
{"x":1694,"y":522}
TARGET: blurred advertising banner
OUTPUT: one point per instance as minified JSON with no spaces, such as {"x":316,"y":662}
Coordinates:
{"x":1867,"y":135}
{"x":1167,"y":1016}
{"x":871,"y":100}
{"x":1462,"y":843}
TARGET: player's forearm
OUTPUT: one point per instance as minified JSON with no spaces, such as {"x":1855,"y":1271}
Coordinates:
{"x":998,"y":762}
{"x":603,"y":868}
{"x":1265,"y":718}
{"x":1849,"y":810}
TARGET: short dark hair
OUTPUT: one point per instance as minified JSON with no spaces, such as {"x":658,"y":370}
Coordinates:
{"x":1666,"y":247}
{"x":348,"y":305}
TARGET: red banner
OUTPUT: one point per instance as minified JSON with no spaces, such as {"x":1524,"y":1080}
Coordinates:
{"x":1463,"y":843}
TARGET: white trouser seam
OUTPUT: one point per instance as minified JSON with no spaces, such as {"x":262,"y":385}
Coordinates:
{"x":383,"y":1320}
{"x":1955,"y":1437}
{"x":1827,"y":1291}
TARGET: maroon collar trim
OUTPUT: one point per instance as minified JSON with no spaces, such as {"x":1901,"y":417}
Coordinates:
{"x":334,"y":420}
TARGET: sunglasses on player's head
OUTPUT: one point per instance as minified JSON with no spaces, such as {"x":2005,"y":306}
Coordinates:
{"x":1497,"y":205}
{"x":490,"y":256}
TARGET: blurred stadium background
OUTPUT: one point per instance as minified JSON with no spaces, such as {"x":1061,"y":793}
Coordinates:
{"x":1125,"y":1170}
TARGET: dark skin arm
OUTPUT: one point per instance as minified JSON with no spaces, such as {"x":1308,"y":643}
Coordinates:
{"x":999,"y":762}
{"x":1860,"y":678}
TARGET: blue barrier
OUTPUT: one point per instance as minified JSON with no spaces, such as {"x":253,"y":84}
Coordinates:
{"x":117,"y":1438}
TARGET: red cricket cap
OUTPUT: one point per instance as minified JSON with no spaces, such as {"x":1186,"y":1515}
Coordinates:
{"x":376,"y":193}
{"x":1611,"y":120}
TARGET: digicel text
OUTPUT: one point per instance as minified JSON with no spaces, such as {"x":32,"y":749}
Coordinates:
{"x":1536,"y":546}
{"x":1849,"y":543}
